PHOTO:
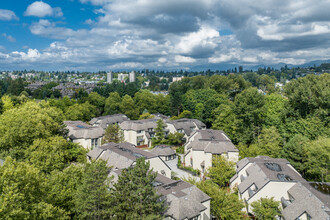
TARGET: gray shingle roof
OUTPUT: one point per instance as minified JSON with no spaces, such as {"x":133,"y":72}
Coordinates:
{"x":137,"y":125}
{"x":119,"y":156}
{"x":184,"y":199}
{"x":163,"y":150}
{"x":187,"y":125}
{"x":79,"y":130}
{"x":104,"y":121}
{"x":212,"y":141}
{"x":307,"y":199}
{"x":259,"y":174}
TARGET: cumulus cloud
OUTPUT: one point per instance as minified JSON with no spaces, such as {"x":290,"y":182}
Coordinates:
{"x":185,"y":33}
{"x":9,"y":37}
{"x":49,"y":29}
{"x":42,"y":9}
{"x":7,"y":15}
{"x":183,"y":59}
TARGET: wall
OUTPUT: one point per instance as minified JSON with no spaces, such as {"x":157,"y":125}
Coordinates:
{"x":158,"y":165}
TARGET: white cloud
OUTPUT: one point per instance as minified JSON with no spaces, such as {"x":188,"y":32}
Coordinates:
{"x":184,"y":59}
{"x":9,"y":37}
{"x":183,"y":34}
{"x":7,"y":15}
{"x":49,"y":29}
{"x":31,"y":55}
{"x":162,"y":60}
{"x":96,"y":2}
{"x":206,"y":37}
{"x":42,"y":9}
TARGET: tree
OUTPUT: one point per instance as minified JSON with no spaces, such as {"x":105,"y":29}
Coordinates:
{"x":318,"y":159}
{"x":62,"y":186}
{"x":266,"y":208}
{"x":294,"y":152}
{"x":98,"y":101}
{"x":93,"y":198}
{"x":134,"y":196}
{"x":248,"y":108}
{"x":308,"y":94}
{"x":146,"y":115}
{"x":175,"y":138}
{"x":128,"y":107}
{"x":23,"y":193}
{"x":112,"y":104}
{"x":83,"y":112}
{"x":221,"y":171}
{"x":7,"y":103}
{"x":274,"y":110}
{"x":113,"y":133}
{"x":159,"y":133}
{"x":270,"y":142}
{"x":54,"y":153}
{"x":227,"y":121}
{"x":20,"y":126}
{"x":224,"y":205}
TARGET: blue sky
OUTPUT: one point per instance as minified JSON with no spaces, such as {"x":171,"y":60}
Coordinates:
{"x":94,"y":35}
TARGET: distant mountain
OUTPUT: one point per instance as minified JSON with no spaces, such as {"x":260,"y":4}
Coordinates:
{"x":227,"y":66}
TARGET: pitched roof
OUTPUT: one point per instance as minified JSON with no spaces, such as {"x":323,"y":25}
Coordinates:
{"x":79,"y":130}
{"x":211,"y":141}
{"x":265,"y":169}
{"x":104,"y":121}
{"x":184,"y":199}
{"x":119,"y":156}
{"x":163,"y":150}
{"x":307,"y":199}
{"x":187,"y":125}
{"x":137,"y":125}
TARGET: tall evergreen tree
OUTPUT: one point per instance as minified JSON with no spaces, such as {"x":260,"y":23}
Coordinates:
{"x":93,"y":199}
{"x":113,"y":133}
{"x":134,"y":196}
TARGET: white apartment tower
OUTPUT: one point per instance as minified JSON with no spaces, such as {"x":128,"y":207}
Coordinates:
{"x":132,"y":76}
{"x":109,"y":77}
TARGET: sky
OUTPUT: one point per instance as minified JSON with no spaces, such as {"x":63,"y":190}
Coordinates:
{"x":93,"y":35}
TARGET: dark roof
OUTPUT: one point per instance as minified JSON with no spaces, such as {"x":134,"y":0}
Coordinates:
{"x":163,"y":150}
{"x":184,"y":199}
{"x":138,"y":125}
{"x":104,"y":121}
{"x":79,"y":130}
{"x":260,"y":172}
{"x":307,"y":200}
{"x":187,"y":125}
{"x":119,"y":156}
{"x":211,"y":141}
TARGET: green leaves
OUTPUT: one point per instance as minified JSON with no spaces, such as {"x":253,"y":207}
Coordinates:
{"x":113,"y":133}
{"x":20,"y":126}
{"x":266,"y":208}
{"x":134,"y":196}
{"x":221,"y":171}
{"x":23,"y":193}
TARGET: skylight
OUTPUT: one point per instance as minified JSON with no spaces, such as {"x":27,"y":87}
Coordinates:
{"x":273,"y":166}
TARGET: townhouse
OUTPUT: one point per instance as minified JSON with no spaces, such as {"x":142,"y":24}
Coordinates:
{"x":86,"y":135}
{"x":204,"y":144}
{"x":124,"y":155}
{"x":105,"y":121}
{"x":262,"y":177}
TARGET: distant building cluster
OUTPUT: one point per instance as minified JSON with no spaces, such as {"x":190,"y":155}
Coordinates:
{"x":121,"y":77}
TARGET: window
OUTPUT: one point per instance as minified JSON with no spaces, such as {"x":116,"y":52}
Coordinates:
{"x":139,"y":131}
{"x":94,"y":143}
